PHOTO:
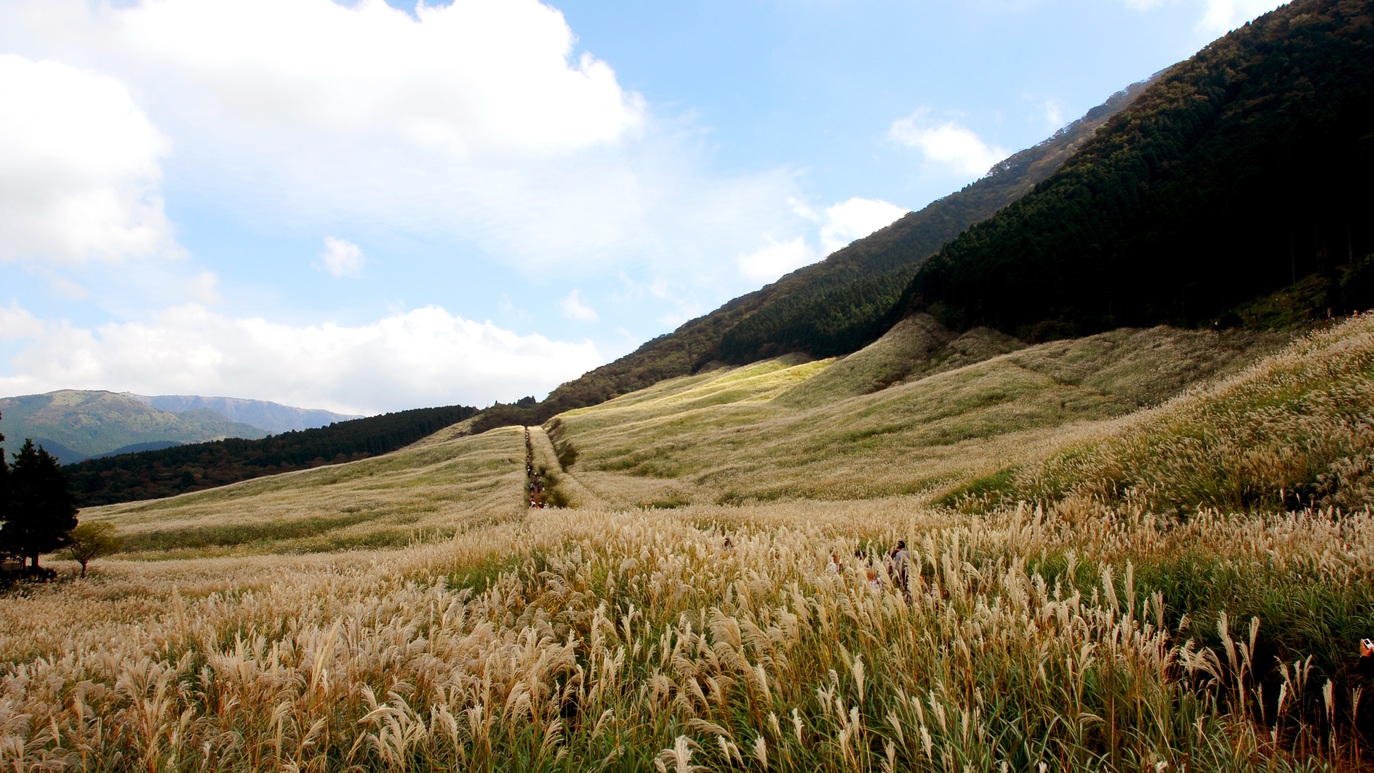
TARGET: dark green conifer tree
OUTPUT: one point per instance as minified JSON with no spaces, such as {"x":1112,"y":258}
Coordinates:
{"x":4,"y":501}
{"x":41,"y":510}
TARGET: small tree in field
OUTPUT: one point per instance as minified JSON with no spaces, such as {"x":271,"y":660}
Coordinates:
{"x":41,"y":510}
{"x":89,"y":541}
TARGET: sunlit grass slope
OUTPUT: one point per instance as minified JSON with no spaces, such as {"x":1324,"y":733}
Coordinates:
{"x":432,"y":488}
{"x":789,"y":429}
{"x":1087,"y":634}
{"x":1295,"y":429}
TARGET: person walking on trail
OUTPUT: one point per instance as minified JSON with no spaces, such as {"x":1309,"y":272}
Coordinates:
{"x":875,"y":581}
{"x":834,"y":566}
{"x":899,"y":559}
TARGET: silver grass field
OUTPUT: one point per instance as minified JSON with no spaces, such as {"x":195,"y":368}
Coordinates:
{"x":1147,"y":550}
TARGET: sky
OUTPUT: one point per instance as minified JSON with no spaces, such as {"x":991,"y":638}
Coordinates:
{"x":374,"y":206}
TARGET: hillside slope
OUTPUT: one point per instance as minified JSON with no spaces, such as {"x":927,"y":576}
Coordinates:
{"x":791,"y":430}
{"x":481,"y":634}
{"x":788,"y":429}
{"x":195,"y":466}
{"x":831,"y":307}
{"x":1236,"y":174}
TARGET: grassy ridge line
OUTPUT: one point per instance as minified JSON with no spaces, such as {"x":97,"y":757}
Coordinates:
{"x":592,"y":640}
{"x":728,"y":436}
{"x":795,"y":430}
{"x":444,"y":483}
{"x":1294,"y":429}
{"x":163,"y":473}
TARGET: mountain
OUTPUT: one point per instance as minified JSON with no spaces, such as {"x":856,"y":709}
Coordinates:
{"x":1232,"y":191}
{"x":73,"y":425}
{"x":832,"y":307}
{"x":269,"y":416}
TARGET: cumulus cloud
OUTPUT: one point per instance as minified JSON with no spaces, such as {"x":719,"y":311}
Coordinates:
{"x":80,"y":170}
{"x":466,"y":77}
{"x":855,"y":219}
{"x":465,"y":122}
{"x":341,"y":258}
{"x":422,"y":357}
{"x":837,"y":226}
{"x":1052,"y":112}
{"x":574,"y":308}
{"x":775,"y":259}
{"x":1222,"y":16}
{"x":17,"y":323}
{"x":471,"y":119}
{"x":1218,"y":16}
{"x":946,"y":143}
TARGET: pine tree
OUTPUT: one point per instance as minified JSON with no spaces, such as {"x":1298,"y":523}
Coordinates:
{"x":5,"y":551}
{"x":41,"y":510}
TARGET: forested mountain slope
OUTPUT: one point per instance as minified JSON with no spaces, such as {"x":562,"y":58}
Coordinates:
{"x":832,"y":307}
{"x":1239,"y":173}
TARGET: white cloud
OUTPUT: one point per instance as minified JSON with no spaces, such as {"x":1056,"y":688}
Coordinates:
{"x":775,"y":259}
{"x":574,"y":308}
{"x":855,"y":219}
{"x":1218,"y":16}
{"x":838,"y":226}
{"x":80,"y":167}
{"x":461,"y":78}
{"x":468,"y":121}
{"x":17,"y":323}
{"x":341,"y":258}
{"x":422,"y":357}
{"x":1052,"y":111}
{"x":1222,"y":16}
{"x":946,"y":143}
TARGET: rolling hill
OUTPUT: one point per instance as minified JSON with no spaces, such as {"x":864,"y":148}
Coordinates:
{"x":155,"y":473}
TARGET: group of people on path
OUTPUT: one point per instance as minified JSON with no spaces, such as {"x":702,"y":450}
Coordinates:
{"x":896,"y":563}
{"x":534,"y":481}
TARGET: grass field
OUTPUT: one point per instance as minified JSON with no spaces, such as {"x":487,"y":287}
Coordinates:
{"x":1077,"y":602}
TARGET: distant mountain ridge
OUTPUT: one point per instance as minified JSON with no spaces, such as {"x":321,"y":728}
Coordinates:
{"x":77,"y":424}
{"x":262,"y":414}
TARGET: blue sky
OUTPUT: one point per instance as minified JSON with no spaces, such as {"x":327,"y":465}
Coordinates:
{"x":370,"y":207}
